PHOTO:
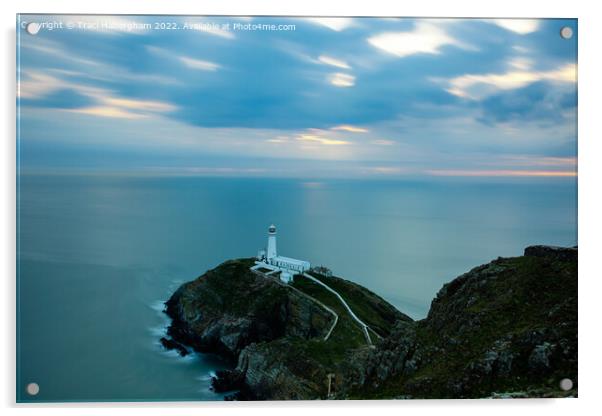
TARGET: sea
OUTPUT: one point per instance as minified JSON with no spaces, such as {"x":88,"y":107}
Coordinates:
{"x":99,"y":254}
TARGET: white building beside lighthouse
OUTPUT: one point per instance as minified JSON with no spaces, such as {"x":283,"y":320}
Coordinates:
{"x":269,"y":259}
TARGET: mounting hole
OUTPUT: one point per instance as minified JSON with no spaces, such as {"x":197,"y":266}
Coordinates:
{"x":33,"y":28}
{"x":566,"y":32}
{"x":32,"y":389}
{"x":566,"y":384}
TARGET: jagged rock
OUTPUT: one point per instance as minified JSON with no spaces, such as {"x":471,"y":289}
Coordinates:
{"x":539,"y":360}
{"x":170,"y":344}
{"x":562,"y":253}
{"x":227,"y":380}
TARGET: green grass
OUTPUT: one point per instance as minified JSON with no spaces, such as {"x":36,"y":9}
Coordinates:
{"x":369,"y":307}
{"x":223,"y":286}
{"x":346,"y":335}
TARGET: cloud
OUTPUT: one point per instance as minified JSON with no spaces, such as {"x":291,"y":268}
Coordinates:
{"x":538,"y":102}
{"x":387,"y":170}
{"x":349,"y":128}
{"x":497,"y":173}
{"x":521,"y":49}
{"x":106,"y":111}
{"x":478,"y":86}
{"x":138,"y":105}
{"x":335,"y":23}
{"x":322,"y":140}
{"x":278,"y":139}
{"x":382,"y":142}
{"x":520,"y":26}
{"x":55,"y":50}
{"x":222,"y":171}
{"x":521,"y":63}
{"x":114,"y":107}
{"x":339,"y":79}
{"x":328,"y":60}
{"x":426,"y":37}
{"x":61,"y":99}
{"x":198,"y":94}
{"x":531,"y":161}
{"x":310,"y":136}
{"x":199,"y":64}
{"x":37,"y":86}
{"x":92,"y":69}
{"x":209,"y":27}
{"x":193,"y":63}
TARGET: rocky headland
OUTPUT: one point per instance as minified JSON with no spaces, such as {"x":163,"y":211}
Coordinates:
{"x":504,"y":329}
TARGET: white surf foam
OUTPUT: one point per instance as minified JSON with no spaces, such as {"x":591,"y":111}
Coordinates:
{"x":158,"y":331}
{"x":158,"y":306}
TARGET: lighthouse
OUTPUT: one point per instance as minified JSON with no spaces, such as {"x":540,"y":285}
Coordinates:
{"x":269,"y":259}
{"x":271,"y":249}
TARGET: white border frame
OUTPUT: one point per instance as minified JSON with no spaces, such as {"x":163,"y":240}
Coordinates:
{"x":590,"y":199}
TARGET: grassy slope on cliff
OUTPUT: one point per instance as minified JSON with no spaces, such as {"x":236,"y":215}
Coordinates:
{"x":376,"y":312}
{"x":346,"y":335}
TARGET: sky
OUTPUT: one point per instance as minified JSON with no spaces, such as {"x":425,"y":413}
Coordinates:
{"x":297,"y":97}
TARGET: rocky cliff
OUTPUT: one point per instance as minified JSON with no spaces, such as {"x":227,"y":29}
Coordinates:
{"x":507,"y":328}
{"x":504,"y":329}
{"x":274,"y":334}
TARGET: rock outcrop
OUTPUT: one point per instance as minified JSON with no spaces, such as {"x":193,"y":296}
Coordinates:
{"x":503,"y":329}
{"x":273,"y":334}
{"x":229,"y":308}
{"x":506,"y":326}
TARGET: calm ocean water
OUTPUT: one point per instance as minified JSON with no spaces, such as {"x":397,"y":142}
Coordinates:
{"x":99,"y":254}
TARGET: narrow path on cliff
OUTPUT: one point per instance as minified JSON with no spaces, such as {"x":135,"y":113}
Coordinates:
{"x":334,"y":314}
{"x":362,"y":325}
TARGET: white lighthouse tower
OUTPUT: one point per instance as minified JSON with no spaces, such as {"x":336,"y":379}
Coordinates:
{"x":271,"y":249}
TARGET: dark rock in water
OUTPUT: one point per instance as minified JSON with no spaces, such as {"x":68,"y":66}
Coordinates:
{"x":170,"y":344}
{"x":504,"y":329}
{"x":227,"y":380}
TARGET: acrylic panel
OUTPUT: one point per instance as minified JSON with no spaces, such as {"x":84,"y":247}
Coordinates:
{"x":295,"y":208}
